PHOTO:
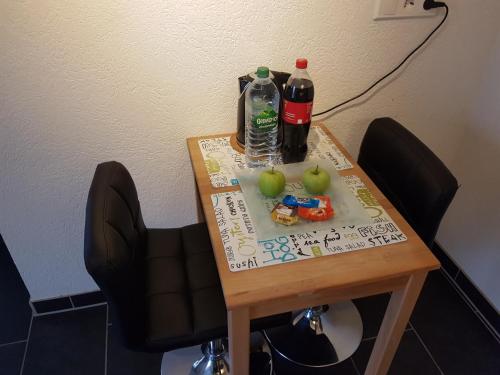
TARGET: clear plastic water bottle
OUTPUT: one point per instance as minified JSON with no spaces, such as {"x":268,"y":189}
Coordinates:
{"x":262,"y":101}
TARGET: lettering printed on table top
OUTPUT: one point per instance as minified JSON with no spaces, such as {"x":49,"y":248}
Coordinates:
{"x":244,"y":251}
{"x":221,"y":158}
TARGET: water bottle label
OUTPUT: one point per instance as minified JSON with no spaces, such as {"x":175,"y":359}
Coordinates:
{"x":297,"y":113}
{"x":266,"y":120}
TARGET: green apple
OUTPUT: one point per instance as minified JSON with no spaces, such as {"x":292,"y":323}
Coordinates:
{"x":316,"y":180}
{"x":271,"y":183}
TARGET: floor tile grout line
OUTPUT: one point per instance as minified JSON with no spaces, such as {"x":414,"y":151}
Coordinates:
{"x":426,"y":348}
{"x":468,"y":302}
{"x":355,"y":367}
{"x":12,"y":343}
{"x":106,"y":342}
{"x":69,"y":309}
{"x":27,"y":344}
{"x":459,"y":291}
{"x":472,"y":306}
{"x":490,"y":328}
{"x":374,"y":337}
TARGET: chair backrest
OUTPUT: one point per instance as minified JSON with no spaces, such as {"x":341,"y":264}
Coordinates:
{"x":409,"y":174}
{"x":115,"y":237}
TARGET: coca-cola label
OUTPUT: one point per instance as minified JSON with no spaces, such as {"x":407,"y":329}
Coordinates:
{"x":297,"y":113}
{"x":266,"y":120}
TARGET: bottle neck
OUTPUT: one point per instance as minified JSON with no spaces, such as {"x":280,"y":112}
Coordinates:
{"x":301,"y":73}
{"x":262,"y":81}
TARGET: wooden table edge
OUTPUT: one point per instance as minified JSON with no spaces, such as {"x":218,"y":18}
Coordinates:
{"x":231,"y":304}
{"x":405,"y":288}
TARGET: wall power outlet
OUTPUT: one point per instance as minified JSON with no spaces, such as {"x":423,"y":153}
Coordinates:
{"x":389,"y":9}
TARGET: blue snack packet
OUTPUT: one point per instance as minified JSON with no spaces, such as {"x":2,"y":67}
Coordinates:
{"x":293,"y":201}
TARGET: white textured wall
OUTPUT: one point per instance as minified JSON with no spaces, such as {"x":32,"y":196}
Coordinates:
{"x":86,"y":81}
{"x":470,"y":232}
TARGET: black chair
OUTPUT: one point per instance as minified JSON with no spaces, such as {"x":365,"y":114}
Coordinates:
{"x":162,"y":285}
{"x":419,"y":185}
{"x":409,"y":174}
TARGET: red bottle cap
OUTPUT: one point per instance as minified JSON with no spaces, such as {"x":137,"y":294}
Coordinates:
{"x":301,"y":63}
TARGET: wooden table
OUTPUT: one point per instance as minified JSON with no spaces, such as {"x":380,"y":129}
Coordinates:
{"x":399,"y":268}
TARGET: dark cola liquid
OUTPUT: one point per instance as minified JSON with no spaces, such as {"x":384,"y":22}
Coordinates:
{"x":294,"y":147}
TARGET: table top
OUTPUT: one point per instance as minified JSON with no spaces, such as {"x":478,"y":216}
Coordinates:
{"x":340,"y":271}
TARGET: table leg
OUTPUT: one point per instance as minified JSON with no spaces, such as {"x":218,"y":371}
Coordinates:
{"x":238,"y":322}
{"x":395,"y":320}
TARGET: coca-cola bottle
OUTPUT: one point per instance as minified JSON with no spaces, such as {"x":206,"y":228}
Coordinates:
{"x":297,"y":113}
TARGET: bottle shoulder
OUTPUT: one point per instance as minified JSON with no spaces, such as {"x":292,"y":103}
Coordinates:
{"x":266,"y":91}
{"x":299,"y":75}
{"x":262,"y":84}
{"x":299,"y":87}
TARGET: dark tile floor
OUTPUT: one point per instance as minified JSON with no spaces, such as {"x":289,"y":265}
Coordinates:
{"x":15,"y":312}
{"x":73,"y":342}
{"x":444,"y":336}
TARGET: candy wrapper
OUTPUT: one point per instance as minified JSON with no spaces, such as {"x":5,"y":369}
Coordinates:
{"x":324,"y":211}
{"x":284,"y":214}
{"x":293,"y":201}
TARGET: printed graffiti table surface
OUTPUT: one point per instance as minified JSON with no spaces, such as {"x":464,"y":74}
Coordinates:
{"x":244,"y":251}
{"x":221,"y":157}
{"x":399,"y":266}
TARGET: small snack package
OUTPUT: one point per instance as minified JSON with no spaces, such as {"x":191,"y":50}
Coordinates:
{"x":284,"y":214}
{"x":324,"y":211}
{"x":293,"y":201}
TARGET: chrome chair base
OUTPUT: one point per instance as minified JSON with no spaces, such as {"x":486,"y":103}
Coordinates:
{"x":179,"y":361}
{"x":213,"y":361}
{"x":188,"y":361}
{"x":319,"y":337}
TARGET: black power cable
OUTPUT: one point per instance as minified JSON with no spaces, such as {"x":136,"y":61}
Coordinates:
{"x":427,"y":5}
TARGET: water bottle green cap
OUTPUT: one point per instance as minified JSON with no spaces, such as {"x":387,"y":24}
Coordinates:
{"x":262,"y":72}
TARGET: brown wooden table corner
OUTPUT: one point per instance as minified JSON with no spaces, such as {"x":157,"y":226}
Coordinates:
{"x":400,"y":268}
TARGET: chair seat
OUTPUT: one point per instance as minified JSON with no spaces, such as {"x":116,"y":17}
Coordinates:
{"x":184,"y":299}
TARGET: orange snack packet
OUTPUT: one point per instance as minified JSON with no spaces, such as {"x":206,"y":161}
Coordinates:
{"x":323,"y":212}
